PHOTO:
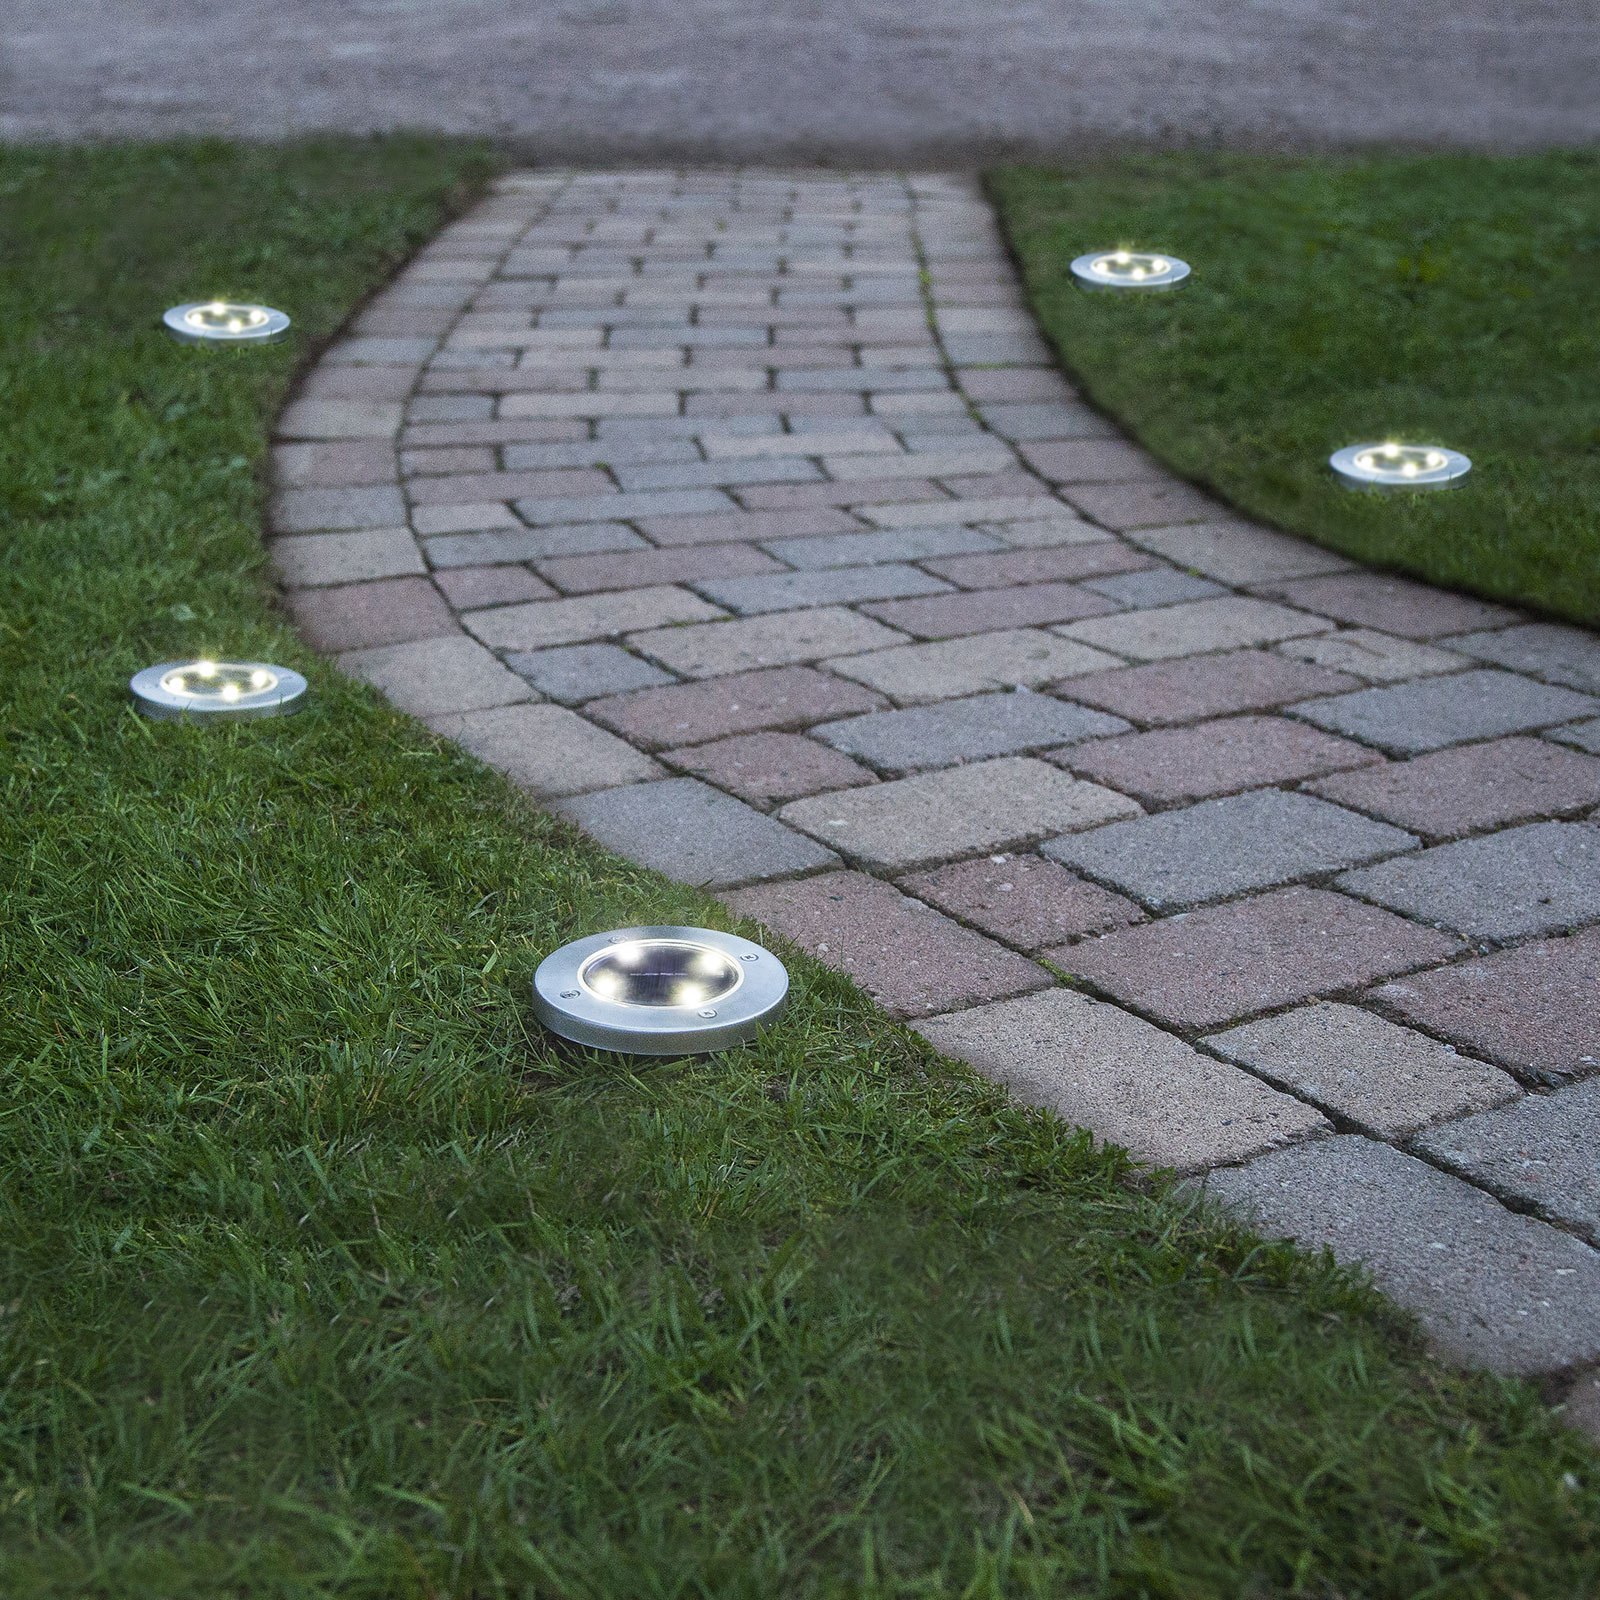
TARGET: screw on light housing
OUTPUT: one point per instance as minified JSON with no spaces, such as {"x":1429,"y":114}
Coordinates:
{"x":660,"y":991}
{"x":1119,"y":271}
{"x":225,"y":322}
{"x":217,"y":691}
{"x":1388,"y":467}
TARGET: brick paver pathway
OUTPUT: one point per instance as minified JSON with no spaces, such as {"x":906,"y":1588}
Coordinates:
{"x":744,"y":519}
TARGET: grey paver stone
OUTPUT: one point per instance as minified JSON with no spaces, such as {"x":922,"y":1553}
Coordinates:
{"x":1535,"y":1009}
{"x":1430,"y":713}
{"x":1091,"y":461}
{"x":964,"y":730}
{"x":337,"y":463}
{"x":619,"y":506}
{"x":546,"y":749}
{"x":1383,"y":1079}
{"x":574,"y":673}
{"x":1393,"y":605}
{"x":769,"y":768}
{"x":1124,"y":1080}
{"x":729,"y":526}
{"x":472,"y":517}
{"x":315,"y":559}
{"x":432,"y":676}
{"x":1038,"y":565}
{"x":467,"y":587}
{"x":1152,"y":504}
{"x":1378,"y":657}
{"x":1536,"y":879}
{"x":1230,"y":961}
{"x":1226,"y":847}
{"x":1189,"y":688}
{"x":1156,"y":586}
{"x":949,"y":668}
{"x":694,"y":833}
{"x":1492,"y":1289}
{"x":1047,"y":419}
{"x":531,"y":544}
{"x":1238,"y":553}
{"x":1024,"y":605}
{"x":1023,"y":899}
{"x":1450,"y":792}
{"x":547,"y":622}
{"x":767,"y":641}
{"x":356,"y":614}
{"x":1581,"y":736}
{"x":1564,"y":655}
{"x":638,"y":569}
{"x":787,"y":591}
{"x":339,"y":419}
{"x":1211,"y":758}
{"x":745,"y":702}
{"x":912,"y":960}
{"x":1193,"y":628}
{"x":891,"y":544}
{"x":973,"y":512}
{"x":1030,"y":383}
{"x":1541,"y":1154}
{"x":935,"y":816}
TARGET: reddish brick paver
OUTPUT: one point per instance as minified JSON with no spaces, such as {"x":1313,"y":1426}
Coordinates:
{"x":1535,"y":1010}
{"x":691,"y":713}
{"x":769,"y":768}
{"x":585,"y":459}
{"x":1024,"y":900}
{"x":1452,"y":792}
{"x":1172,"y":764}
{"x":1205,"y":686}
{"x":911,"y":959}
{"x":1235,"y":960}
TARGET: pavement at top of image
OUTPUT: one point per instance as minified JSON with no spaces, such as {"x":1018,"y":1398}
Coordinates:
{"x":743,"y":518}
{"x":862,"y":80}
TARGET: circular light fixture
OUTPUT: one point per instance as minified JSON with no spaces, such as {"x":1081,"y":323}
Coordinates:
{"x":225,"y":322}
{"x":217,"y":691}
{"x":1122,"y":270}
{"x":1399,"y":466}
{"x":660,"y":991}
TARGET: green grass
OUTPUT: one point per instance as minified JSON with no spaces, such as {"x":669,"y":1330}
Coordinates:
{"x":1445,"y":299}
{"x":323,"y":1272}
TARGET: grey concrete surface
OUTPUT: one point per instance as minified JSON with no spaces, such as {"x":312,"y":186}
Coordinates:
{"x":595,"y":80}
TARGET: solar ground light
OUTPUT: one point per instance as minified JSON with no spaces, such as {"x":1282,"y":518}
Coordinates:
{"x":660,"y":991}
{"x":1129,"y":270}
{"x":217,"y":691}
{"x":1404,"y":467}
{"x":226,"y":322}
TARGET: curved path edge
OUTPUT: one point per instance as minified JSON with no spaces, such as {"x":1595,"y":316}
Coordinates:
{"x":742,"y":517}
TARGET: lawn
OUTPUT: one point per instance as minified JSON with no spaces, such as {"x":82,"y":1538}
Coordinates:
{"x":326,"y":1274}
{"x":1445,"y":299}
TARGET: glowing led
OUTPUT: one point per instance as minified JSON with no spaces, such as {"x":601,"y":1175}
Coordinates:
{"x":1394,"y":466}
{"x":1129,"y":270}
{"x":659,"y":991}
{"x":225,"y":322}
{"x":227,"y":690}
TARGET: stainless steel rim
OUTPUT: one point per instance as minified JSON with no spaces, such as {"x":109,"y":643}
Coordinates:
{"x":154,"y":699}
{"x":1084,"y":275}
{"x":276,"y":326}
{"x":1348,"y":468}
{"x":566,"y":1006}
